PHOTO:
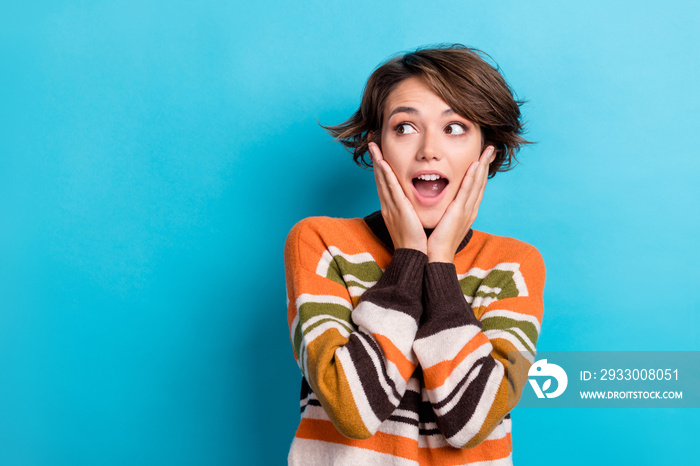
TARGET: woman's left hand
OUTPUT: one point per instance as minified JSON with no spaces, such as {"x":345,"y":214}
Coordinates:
{"x":461,"y":213}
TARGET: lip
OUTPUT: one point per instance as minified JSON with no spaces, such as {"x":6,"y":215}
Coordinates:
{"x":428,"y":201}
{"x":429,"y":172}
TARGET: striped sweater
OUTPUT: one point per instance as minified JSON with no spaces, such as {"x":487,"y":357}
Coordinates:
{"x":403,"y":361}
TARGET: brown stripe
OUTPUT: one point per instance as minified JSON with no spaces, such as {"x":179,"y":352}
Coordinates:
{"x":455,"y":419}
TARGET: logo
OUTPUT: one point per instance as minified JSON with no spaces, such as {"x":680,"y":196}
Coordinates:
{"x":542,"y":369}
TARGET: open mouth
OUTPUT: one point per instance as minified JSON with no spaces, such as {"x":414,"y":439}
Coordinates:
{"x":430,"y":185}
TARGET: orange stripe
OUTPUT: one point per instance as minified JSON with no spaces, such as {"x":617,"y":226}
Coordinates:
{"x":436,"y":375}
{"x":395,"y":355}
{"x":317,"y":429}
{"x":402,"y":447}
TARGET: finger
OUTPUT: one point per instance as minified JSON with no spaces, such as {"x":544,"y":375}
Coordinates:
{"x":481,"y":174}
{"x":389,"y":174}
{"x":393,"y":184}
{"x":394,"y":190}
{"x":479,"y":180}
{"x":487,"y":154}
{"x":376,"y":155}
{"x":375,"y":152}
{"x":490,"y":155}
{"x":383,"y":185}
{"x":477,"y":191}
{"x":467,"y":182}
{"x":378,"y":158}
{"x":385,"y":198}
{"x":382,"y":168}
{"x":481,"y":194}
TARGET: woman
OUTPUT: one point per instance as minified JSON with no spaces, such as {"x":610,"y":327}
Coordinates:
{"x":413,"y":332}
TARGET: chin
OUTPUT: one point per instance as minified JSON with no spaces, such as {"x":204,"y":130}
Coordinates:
{"x":430,"y":220}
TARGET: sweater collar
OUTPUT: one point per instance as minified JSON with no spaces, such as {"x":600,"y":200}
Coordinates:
{"x":375,"y":222}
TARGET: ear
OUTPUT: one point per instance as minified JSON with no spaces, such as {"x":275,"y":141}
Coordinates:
{"x":375,"y":137}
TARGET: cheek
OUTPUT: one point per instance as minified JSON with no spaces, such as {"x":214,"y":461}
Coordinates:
{"x":468,"y":157}
{"x":392,"y":155}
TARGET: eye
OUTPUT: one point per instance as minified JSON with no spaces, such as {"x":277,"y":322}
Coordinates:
{"x":455,"y":128}
{"x":404,"y":128}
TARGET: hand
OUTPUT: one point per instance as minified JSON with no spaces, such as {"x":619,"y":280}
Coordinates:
{"x":461,"y":213}
{"x":399,"y":215}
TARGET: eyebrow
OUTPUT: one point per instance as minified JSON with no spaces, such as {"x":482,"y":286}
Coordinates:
{"x":412,"y":110}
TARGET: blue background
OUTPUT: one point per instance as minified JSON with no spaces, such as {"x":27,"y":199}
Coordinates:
{"x":154,"y":155}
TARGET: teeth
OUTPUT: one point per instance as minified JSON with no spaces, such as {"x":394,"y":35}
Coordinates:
{"x":432,"y":177}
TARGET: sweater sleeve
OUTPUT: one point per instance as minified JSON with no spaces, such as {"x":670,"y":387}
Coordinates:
{"x":356,"y":354}
{"x":475,"y":370}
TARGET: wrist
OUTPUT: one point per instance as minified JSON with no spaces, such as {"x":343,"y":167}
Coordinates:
{"x":440,"y":256}
{"x":417,"y":245}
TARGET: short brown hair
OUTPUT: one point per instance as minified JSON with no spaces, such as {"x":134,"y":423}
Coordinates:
{"x":472,"y":87}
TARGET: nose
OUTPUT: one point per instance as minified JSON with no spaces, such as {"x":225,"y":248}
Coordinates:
{"x":428,"y":148}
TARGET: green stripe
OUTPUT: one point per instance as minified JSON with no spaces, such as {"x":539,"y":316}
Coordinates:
{"x":319,"y":322}
{"x":334,"y":273}
{"x":512,"y":332}
{"x":310,"y":310}
{"x":357,"y":284}
{"x":507,"y":323}
{"x":502,"y":279}
{"x":366,"y":271}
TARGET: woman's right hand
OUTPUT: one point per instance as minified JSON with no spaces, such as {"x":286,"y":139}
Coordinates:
{"x":399,"y":215}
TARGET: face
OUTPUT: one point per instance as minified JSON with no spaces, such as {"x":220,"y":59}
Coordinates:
{"x":428,"y":146}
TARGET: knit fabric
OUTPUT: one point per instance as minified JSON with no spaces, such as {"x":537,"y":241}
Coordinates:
{"x":405,"y":361}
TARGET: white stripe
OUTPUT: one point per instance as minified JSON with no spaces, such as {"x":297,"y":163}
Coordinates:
{"x":481,"y":273}
{"x":405,"y":413}
{"x":520,"y":283}
{"x":315,"y":412}
{"x":414,"y":385}
{"x":315,"y":319}
{"x":316,"y":332}
{"x":507,"y":461}
{"x":360,"y":258}
{"x":356,"y":291}
{"x":397,"y":326}
{"x":351,"y":278}
{"x":398,"y":428}
{"x":483,"y":301}
{"x":525,"y":338}
{"x":444,"y":345}
{"x":432,"y":441}
{"x":488,"y":290}
{"x":395,"y":374}
{"x":305,"y":452}
{"x":458,"y":396}
{"x":324,"y":263}
{"x":508,"y":423}
{"x":429,"y":425}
